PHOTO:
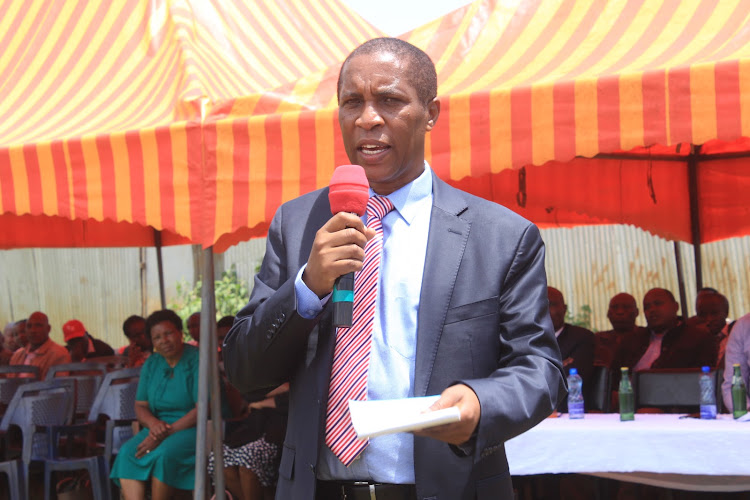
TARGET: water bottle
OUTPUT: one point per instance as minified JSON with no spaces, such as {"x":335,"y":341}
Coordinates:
{"x":739,"y":392}
{"x":708,"y":398}
{"x":575,"y":394}
{"x":627,"y":398}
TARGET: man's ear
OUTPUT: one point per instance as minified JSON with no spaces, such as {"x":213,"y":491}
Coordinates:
{"x":433,"y":111}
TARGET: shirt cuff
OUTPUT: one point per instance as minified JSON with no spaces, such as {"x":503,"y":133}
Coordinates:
{"x":308,"y":303}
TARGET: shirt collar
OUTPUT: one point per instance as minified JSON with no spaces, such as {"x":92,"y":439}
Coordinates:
{"x":41,"y":349}
{"x":407,"y":199}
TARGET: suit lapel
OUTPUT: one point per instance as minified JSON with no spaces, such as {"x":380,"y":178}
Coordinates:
{"x":446,"y":243}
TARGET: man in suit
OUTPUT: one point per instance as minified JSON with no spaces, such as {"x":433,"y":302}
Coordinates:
{"x":576,"y":344}
{"x":460,"y":307}
{"x":668,"y":342}
{"x":622,"y":313}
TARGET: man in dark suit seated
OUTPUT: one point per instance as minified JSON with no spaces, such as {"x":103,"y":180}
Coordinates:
{"x":667,"y":342}
{"x":622,"y":312}
{"x":457,"y":309}
{"x":576,"y":344}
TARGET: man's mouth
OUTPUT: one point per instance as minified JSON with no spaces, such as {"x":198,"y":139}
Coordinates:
{"x":372,"y":149}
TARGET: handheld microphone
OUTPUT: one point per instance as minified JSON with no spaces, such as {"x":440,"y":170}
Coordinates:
{"x":348,"y":192}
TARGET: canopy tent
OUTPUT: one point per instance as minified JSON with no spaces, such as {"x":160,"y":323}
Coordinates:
{"x":199,"y":119}
{"x":547,"y":83}
{"x":101,"y":117}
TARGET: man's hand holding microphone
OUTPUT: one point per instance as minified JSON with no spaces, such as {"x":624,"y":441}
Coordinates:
{"x":339,"y":246}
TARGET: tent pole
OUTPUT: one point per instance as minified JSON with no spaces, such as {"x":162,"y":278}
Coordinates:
{"x":207,"y":348}
{"x":695,"y":222}
{"x":680,"y":279}
{"x":216,"y":416}
{"x":160,"y":266}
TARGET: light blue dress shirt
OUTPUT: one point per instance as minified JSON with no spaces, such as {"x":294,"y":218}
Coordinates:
{"x":390,"y":458}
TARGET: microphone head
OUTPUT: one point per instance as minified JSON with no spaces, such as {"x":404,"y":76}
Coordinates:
{"x":349,"y":190}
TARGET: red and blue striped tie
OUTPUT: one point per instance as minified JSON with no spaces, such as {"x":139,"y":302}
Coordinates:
{"x":351,"y":356}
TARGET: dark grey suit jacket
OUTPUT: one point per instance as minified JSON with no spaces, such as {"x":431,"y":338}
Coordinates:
{"x":483,"y":321}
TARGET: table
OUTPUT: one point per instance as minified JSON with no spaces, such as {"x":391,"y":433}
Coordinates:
{"x":657,"y":449}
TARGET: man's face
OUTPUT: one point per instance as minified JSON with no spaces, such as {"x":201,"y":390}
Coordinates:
{"x":221,"y":332}
{"x":712,"y":311}
{"x":383,"y":122}
{"x":37,"y":329}
{"x":557,"y":308}
{"x":9,"y":339}
{"x":19,"y":334}
{"x":622,"y":312}
{"x":137,"y":335}
{"x":78,"y":348}
{"x":660,"y":310}
{"x":194,"y":327}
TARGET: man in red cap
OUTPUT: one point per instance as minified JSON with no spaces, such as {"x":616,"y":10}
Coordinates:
{"x":81,"y":345}
{"x":41,"y":350}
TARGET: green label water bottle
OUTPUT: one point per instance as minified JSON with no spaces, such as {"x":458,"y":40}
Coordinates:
{"x":739,"y":392}
{"x":627,"y":398}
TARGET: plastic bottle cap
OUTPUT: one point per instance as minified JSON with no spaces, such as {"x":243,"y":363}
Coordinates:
{"x":706,"y":369}
{"x":574,"y":371}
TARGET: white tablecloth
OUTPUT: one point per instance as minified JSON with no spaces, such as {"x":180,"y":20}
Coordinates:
{"x":654,"y":449}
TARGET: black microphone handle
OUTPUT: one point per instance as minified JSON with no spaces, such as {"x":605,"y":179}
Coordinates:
{"x":343,"y":300}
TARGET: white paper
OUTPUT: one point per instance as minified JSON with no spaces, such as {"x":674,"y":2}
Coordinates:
{"x":389,"y":416}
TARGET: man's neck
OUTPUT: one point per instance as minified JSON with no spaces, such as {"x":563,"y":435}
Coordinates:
{"x":32,"y":347}
{"x":625,"y":331}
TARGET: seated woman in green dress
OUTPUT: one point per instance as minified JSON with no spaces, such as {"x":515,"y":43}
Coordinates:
{"x":165,"y":406}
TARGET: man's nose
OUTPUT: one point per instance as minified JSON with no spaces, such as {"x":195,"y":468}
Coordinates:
{"x":370,"y":117}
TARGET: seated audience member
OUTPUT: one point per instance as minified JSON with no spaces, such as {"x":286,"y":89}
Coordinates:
{"x":9,"y":338}
{"x":81,"y":344}
{"x":737,"y":351}
{"x":164,"y":450}
{"x":193,"y":325}
{"x":40,"y":350}
{"x":5,"y":351}
{"x":252,"y":452}
{"x":667,"y":342}
{"x":622,"y":312}
{"x":712,"y":312}
{"x":222,"y":328}
{"x":576,"y":343}
{"x":139,"y":346}
{"x":19,"y":334}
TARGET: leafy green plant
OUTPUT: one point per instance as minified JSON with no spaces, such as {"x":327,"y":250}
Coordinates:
{"x":581,"y":318}
{"x":231,"y":294}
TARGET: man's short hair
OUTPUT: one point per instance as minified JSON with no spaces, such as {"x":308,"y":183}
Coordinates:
{"x":423,"y":76}
{"x":129,"y":322}
{"x":225,"y":321}
{"x":669,"y":294}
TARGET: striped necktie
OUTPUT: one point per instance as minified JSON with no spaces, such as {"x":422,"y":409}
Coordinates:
{"x":351,"y":356}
